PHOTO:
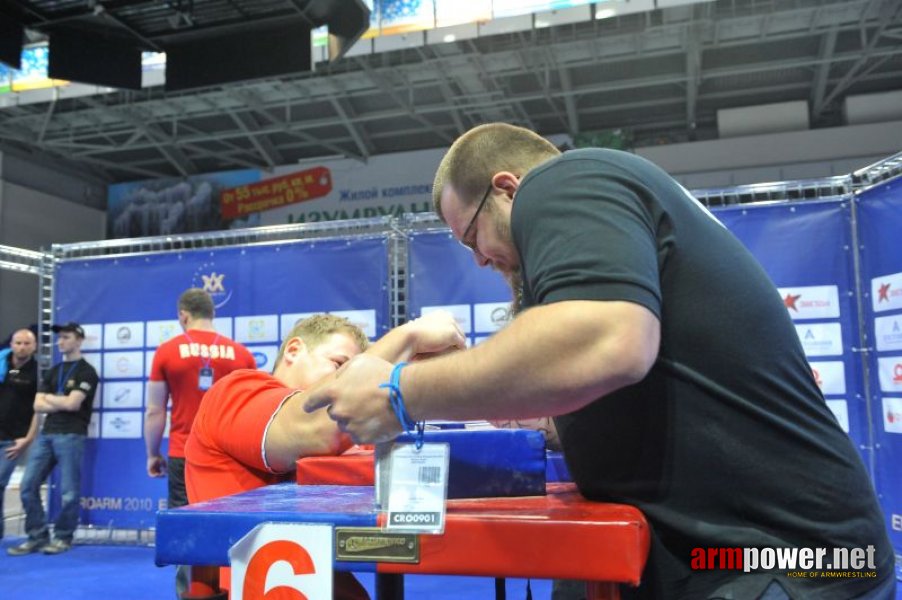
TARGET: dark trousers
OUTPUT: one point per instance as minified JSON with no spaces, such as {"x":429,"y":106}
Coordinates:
{"x":178,"y":494}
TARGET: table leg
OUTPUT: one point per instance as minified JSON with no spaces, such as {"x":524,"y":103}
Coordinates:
{"x":389,"y":586}
{"x":500,"y":588}
{"x":602,"y":590}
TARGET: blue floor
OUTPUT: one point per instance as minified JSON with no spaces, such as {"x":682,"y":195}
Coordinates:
{"x":91,"y":572}
{"x":128,"y":572}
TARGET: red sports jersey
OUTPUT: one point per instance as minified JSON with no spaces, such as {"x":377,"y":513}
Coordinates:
{"x":224,"y":453}
{"x":179,"y":361}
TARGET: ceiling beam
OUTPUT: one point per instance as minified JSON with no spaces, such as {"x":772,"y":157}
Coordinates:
{"x":343,"y":109}
{"x":888,"y":13}
{"x":822,"y":71}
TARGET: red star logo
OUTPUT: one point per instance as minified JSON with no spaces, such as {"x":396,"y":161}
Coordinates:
{"x":790,"y":301}
{"x":884,"y":293}
{"x":890,"y":416}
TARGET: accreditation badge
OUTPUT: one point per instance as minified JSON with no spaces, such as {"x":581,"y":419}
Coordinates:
{"x":418,"y":488}
{"x":205,"y":379}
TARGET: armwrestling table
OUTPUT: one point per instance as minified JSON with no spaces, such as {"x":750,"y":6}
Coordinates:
{"x":557,"y":536}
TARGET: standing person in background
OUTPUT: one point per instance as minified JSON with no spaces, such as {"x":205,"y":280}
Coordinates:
{"x":18,"y":422}
{"x":184,"y":368}
{"x":66,"y":396}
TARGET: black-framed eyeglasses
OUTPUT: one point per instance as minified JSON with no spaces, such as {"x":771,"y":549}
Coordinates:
{"x":471,"y":245}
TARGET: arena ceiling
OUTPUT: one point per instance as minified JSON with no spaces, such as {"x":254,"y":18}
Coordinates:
{"x":658,"y":77}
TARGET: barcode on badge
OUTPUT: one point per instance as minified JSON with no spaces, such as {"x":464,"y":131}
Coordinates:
{"x":428,"y":475}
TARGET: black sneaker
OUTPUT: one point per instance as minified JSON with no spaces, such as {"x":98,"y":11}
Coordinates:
{"x":26,"y":547}
{"x":56,"y":547}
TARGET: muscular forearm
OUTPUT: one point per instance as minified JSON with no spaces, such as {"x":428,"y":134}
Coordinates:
{"x":394,"y":346}
{"x":154,"y":425}
{"x":295,"y":434}
{"x":434,"y":333}
{"x":551,"y":360}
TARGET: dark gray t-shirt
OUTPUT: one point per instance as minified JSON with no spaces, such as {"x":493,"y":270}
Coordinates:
{"x":62,"y":379}
{"x":728,"y":441}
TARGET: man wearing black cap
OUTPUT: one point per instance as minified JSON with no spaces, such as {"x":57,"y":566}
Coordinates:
{"x":66,"y":395}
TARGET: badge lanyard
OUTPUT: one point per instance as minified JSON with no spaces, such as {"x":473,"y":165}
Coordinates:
{"x":417,"y":474}
{"x":61,"y":381}
{"x":205,"y":376}
{"x":418,"y":488}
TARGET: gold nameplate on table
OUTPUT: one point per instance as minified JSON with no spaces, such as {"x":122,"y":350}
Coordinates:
{"x":369,"y":544}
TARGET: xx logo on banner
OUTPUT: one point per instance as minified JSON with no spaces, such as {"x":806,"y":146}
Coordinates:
{"x":283,"y":561}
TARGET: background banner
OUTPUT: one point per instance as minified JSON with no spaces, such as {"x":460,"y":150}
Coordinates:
{"x":329,"y":189}
{"x":326,"y":189}
{"x":127,"y":306}
{"x":444,"y":275}
{"x":806,"y":248}
{"x":879,"y":215}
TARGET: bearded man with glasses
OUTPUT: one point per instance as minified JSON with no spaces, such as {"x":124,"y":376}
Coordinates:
{"x":664,"y":353}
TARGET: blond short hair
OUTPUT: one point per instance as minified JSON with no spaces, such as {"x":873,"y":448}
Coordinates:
{"x":477,"y":155}
{"x":314,"y":331}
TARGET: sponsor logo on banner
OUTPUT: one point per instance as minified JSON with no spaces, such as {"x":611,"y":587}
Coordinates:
{"x":121,"y":425}
{"x":821,"y":339}
{"x":491,"y":316}
{"x":886,"y":292}
{"x":812,"y":302}
{"x":888,"y":333}
{"x":284,"y":560}
{"x":123,"y":394}
{"x":461,"y":314}
{"x":214,"y":281}
{"x":892,"y":415}
{"x":890,"y":372}
{"x":93,"y":337}
{"x":840,"y":410}
{"x":123,"y":365}
{"x":258,"y":328}
{"x":830,"y":377}
{"x":123,"y":335}
{"x":287,"y":323}
{"x":162,"y":331}
{"x":265,"y":356}
{"x":364,"y":319}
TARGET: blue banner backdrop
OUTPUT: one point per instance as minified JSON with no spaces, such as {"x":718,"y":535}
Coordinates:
{"x":443,"y":274}
{"x":806,"y":248}
{"x":879,"y":224}
{"x":128,"y":306}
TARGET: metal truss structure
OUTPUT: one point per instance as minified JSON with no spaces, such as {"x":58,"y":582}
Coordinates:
{"x":657,"y":77}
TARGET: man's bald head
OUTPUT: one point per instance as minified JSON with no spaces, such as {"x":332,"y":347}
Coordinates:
{"x":23,"y":344}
